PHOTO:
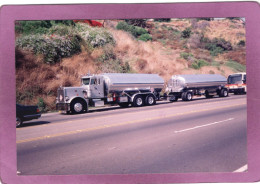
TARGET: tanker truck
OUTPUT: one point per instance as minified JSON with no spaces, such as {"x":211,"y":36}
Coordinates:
{"x":186,"y":86}
{"x":110,"y":88}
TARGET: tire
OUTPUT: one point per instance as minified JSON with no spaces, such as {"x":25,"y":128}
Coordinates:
{"x":138,"y":101}
{"x":187,"y":96}
{"x":150,"y":100}
{"x":123,"y":105}
{"x":223,"y":93}
{"x":19,"y":122}
{"x":78,"y":106}
{"x":173,"y":98}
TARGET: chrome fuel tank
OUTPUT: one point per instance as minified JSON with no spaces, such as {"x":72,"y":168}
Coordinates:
{"x":178,"y":82}
{"x":127,"y":81}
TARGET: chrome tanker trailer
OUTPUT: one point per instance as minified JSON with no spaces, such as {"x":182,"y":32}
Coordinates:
{"x":186,"y":86}
{"x":110,"y":88}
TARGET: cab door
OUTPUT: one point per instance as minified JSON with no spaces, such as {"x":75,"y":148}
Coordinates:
{"x":97,"y":87}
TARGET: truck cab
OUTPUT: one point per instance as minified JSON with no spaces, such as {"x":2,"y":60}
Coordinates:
{"x":94,"y":86}
{"x":236,"y":83}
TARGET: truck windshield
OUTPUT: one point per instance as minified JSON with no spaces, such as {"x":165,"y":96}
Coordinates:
{"x":85,"y":81}
{"x":234,"y":79}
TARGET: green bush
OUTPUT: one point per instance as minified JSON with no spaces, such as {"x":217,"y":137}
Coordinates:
{"x":32,"y":27}
{"x":115,"y":66}
{"x":42,"y":105}
{"x":237,"y":67}
{"x":186,"y":55}
{"x":241,"y":43}
{"x":186,"y":33}
{"x":136,"y":22}
{"x":199,"y":63}
{"x":39,"y":27}
{"x":53,"y":48}
{"x":145,"y":37}
{"x":94,"y":36}
{"x":217,"y":45}
{"x":134,"y":30}
{"x":162,"y":20}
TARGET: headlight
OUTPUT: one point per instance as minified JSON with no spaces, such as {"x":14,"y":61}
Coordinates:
{"x":67,"y":98}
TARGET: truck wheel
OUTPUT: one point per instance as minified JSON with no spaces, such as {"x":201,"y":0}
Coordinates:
{"x":19,"y":122}
{"x":138,"y":101}
{"x":150,"y":100}
{"x":123,"y":105}
{"x":223,"y":93}
{"x":173,"y":98}
{"x":189,"y":96}
{"x":77,"y":106}
{"x":183,"y":96}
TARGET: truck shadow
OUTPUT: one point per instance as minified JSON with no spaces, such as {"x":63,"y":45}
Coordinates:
{"x":162,"y":102}
{"x":34,"y":123}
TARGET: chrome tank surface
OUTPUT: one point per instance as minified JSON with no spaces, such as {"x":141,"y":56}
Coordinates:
{"x":178,"y":82}
{"x":125,"y":81}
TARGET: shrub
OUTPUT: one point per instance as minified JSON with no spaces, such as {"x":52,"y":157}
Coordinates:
{"x":115,"y":66}
{"x":145,"y":37}
{"x":53,"y":48}
{"x":134,"y":30}
{"x":94,"y":36}
{"x":214,"y":50}
{"x":42,"y":105}
{"x":241,"y":43}
{"x":186,"y":33}
{"x":136,"y":22}
{"x":162,"y":20}
{"x":199,"y":63}
{"x":186,"y":55}
{"x":32,"y":27}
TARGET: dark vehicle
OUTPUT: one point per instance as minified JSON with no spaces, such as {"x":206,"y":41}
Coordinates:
{"x":26,"y":113}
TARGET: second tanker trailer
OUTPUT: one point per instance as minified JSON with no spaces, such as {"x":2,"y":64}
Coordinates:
{"x":186,"y":86}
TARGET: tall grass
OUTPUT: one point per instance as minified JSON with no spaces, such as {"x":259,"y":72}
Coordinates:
{"x":237,"y":67}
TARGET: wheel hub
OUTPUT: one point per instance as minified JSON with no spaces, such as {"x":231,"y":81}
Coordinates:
{"x":139,"y":101}
{"x":78,"y":107}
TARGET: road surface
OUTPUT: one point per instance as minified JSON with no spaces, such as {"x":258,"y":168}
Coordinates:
{"x":203,"y":135}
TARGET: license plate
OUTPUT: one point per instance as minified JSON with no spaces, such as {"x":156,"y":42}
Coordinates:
{"x":123,"y":99}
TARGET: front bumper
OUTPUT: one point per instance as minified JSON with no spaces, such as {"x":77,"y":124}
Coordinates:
{"x":62,"y":107}
{"x":236,"y":90}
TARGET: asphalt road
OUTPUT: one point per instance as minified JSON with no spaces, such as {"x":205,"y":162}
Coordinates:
{"x":204,"y":135}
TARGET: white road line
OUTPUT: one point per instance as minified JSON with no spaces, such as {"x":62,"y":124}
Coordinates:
{"x":184,"y":130}
{"x":241,"y":169}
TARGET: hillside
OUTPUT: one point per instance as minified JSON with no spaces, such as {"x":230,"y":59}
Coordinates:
{"x":50,"y":54}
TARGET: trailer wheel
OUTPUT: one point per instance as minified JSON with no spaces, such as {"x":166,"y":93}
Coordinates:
{"x":173,"y":98}
{"x":78,"y":106}
{"x":223,"y":93}
{"x":150,"y":100}
{"x":138,"y":101}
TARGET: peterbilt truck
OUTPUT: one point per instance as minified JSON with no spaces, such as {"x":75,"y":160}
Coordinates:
{"x":187,"y":86}
{"x":236,"y":83}
{"x":110,"y":88}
